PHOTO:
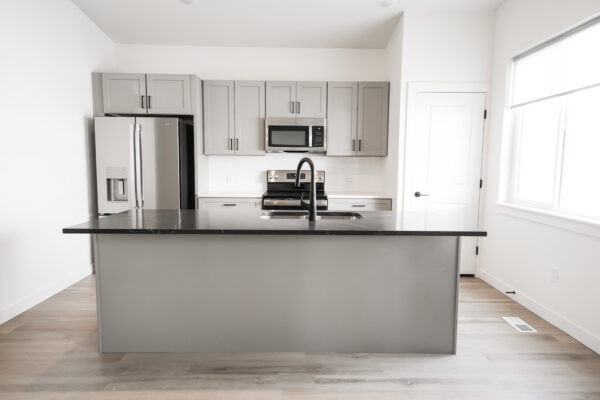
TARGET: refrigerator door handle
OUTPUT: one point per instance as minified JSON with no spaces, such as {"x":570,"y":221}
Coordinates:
{"x":140,"y":176}
{"x":132,"y":162}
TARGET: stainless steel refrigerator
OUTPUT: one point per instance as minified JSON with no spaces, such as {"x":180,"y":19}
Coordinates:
{"x":144,"y":163}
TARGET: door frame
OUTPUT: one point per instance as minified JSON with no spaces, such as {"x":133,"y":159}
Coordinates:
{"x":415,"y":88}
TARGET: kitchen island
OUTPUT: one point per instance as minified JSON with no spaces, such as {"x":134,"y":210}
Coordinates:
{"x":235,"y":281}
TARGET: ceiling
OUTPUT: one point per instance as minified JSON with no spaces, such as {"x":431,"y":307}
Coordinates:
{"x":258,"y":23}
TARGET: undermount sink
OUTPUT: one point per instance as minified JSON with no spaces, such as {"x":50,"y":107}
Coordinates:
{"x":304,"y":215}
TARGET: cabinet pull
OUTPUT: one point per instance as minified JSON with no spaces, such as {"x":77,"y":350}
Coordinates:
{"x":353,"y":144}
{"x":237,"y":144}
{"x":298,"y":107}
{"x":149,"y":102}
{"x":142,"y":97}
{"x":359,"y":205}
{"x":292,"y":107}
{"x":359,"y":144}
{"x":229,"y":204}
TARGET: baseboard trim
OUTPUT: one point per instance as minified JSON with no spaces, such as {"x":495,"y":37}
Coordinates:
{"x":581,"y":334}
{"x":34,"y":299}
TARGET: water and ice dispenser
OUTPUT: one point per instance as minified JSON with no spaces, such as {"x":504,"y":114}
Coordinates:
{"x":116,"y":184}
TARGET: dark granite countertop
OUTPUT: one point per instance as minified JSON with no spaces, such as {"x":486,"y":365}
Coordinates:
{"x":249,"y":221}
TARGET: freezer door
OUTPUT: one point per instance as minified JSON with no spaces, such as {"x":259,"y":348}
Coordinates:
{"x":115,"y":175}
{"x":159,"y":159}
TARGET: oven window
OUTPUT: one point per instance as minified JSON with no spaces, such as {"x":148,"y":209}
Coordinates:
{"x":288,"y":136}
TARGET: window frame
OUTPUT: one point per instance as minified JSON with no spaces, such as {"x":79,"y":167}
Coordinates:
{"x":511,"y":199}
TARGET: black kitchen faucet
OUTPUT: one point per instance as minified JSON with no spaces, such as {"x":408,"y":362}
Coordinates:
{"x":312,"y":205}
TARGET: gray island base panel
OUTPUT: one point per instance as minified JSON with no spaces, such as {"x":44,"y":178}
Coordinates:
{"x":277,"y":293}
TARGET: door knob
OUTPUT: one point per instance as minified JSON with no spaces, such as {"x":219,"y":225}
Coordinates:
{"x":419,"y":194}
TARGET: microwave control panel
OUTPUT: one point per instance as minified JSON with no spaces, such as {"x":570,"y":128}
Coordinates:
{"x":318,"y":136}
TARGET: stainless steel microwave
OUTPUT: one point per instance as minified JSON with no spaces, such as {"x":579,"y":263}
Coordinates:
{"x":300,"y":135}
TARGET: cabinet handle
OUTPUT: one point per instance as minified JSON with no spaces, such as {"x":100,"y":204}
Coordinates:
{"x":298,"y":107}
{"x":142,"y":96}
{"x":353,"y":144}
{"x":149,"y":102}
{"x":292,"y":107}
{"x":359,"y":144}
{"x":359,"y":205}
{"x":229,"y":204}
{"x":237,"y":144}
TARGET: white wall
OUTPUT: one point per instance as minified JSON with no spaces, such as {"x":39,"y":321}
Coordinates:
{"x":242,"y":63}
{"x":434,"y":46}
{"x":394,"y":55}
{"x":519,"y":254}
{"x":49,"y":48}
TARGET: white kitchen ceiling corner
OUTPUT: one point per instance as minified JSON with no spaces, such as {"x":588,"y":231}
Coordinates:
{"x":258,"y":23}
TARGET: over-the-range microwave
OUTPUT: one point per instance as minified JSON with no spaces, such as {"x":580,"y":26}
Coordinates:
{"x":300,"y":135}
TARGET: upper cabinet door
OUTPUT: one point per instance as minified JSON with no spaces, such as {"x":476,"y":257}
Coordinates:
{"x":342,"y":118}
{"x":218,"y":117}
{"x":311,"y":100}
{"x":373,"y":104}
{"x":168,"y":94}
{"x":249,"y":118}
{"x":124,"y":93}
{"x":281,"y":99}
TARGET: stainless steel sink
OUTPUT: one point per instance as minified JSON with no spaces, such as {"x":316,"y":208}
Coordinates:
{"x":304,"y":215}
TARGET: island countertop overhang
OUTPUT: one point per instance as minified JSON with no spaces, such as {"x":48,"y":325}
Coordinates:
{"x":249,"y":222}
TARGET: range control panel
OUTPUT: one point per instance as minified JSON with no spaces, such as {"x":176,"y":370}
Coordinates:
{"x":289,"y":176}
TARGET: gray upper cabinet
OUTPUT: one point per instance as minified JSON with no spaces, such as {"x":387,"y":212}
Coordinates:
{"x":342,"y":118}
{"x":124,"y":93}
{"x":281,"y":99}
{"x":357,"y":118}
{"x":146,"y":94}
{"x":218,"y":117}
{"x":234,"y":117}
{"x":373,"y":105}
{"x":249,"y":118}
{"x":311,"y":99}
{"x":168,"y":94}
{"x":296,"y":99}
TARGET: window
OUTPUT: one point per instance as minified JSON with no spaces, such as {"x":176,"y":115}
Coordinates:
{"x":555,"y":112}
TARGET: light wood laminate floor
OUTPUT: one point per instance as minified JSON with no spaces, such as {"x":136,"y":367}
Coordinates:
{"x":50,"y":352}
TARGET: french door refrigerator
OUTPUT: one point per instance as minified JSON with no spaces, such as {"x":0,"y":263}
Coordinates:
{"x":144,"y":163}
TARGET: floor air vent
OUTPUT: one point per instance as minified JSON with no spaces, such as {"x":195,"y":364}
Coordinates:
{"x":519,"y":324}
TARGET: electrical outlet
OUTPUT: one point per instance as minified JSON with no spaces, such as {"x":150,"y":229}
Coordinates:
{"x":555,"y":275}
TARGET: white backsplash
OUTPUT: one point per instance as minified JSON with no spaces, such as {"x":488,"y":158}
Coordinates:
{"x":343,"y":174}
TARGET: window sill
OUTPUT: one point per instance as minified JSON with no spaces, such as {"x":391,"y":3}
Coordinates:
{"x":566,"y":222}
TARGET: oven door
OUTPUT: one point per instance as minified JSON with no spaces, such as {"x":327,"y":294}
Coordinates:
{"x":288,"y":138}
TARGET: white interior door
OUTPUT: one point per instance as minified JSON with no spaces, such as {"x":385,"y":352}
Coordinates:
{"x":443,"y":165}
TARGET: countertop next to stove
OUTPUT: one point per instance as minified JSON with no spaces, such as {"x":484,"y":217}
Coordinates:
{"x":249,"y":222}
{"x":331,"y":195}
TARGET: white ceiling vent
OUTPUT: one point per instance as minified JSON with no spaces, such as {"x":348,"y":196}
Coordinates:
{"x":519,"y":324}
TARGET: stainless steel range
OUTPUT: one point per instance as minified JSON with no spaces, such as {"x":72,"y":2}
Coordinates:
{"x":282,"y":194}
